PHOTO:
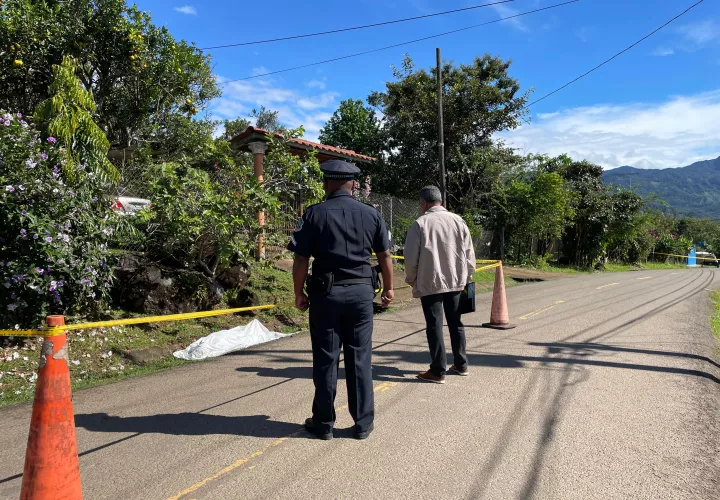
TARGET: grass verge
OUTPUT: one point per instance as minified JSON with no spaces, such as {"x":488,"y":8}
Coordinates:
{"x":97,"y":355}
{"x":715,"y":320}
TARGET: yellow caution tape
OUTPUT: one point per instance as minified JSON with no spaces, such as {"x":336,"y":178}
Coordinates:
{"x":55,"y":331}
{"x":684,"y":256}
{"x":491,"y":266}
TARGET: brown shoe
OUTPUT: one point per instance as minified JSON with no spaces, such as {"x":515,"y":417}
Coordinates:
{"x":431,"y":377}
{"x":463,"y":373}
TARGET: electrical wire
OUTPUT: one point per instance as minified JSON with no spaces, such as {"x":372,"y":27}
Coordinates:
{"x":398,"y":44}
{"x":342,"y":30}
{"x":616,"y":55}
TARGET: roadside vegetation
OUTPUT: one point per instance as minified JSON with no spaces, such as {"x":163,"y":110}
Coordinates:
{"x":715,"y":320}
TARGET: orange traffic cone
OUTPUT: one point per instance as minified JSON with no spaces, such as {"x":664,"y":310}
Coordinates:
{"x":52,"y":468}
{"x":499,"y":317}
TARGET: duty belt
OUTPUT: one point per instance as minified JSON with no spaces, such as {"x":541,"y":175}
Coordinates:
{"x":354,"y":281}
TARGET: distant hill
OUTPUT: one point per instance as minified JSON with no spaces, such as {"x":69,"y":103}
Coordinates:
{"x":693,"y":190}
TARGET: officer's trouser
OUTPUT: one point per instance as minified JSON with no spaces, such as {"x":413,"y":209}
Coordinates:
{"x":342,"y":319}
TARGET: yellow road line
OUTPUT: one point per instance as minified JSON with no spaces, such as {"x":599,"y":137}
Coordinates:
{"x":535,"y":313}
{"x":384,"y":387}
{"x":646,"y":278}
{"x":605,"y":286}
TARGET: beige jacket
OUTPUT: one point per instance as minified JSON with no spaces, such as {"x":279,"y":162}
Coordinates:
{"x":439,"y":253}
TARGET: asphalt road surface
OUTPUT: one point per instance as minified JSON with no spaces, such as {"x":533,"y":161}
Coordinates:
{"x":609,"y":388}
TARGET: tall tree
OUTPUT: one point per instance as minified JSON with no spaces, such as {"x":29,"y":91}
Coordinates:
{"x":136,"y":72}
{"x":479,"y":100}
{"x":353,"y":126}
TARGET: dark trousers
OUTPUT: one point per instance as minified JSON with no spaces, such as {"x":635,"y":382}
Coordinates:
{"x":343,"y":319}
{"x":433,"y":308}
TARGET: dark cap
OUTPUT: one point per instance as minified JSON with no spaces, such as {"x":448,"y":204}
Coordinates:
{"x":339,"y":170}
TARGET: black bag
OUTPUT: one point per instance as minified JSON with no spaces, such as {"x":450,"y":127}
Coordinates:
{"x":467,"y":299}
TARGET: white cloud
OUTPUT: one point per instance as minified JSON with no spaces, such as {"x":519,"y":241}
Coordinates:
{"x":663,"y":52}
{"x":259,"y":71}
{"x":702,"y":32}
{"x":693,"y":37}
{"x":506,"y":11}
{"x":186,"y":9}
{"x":317,"y":84}
{"x":583,"y":34}
{"x":674,"y":133}
{"x":295,"y":107}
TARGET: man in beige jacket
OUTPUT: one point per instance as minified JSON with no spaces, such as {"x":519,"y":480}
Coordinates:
{"x":439,"y":263}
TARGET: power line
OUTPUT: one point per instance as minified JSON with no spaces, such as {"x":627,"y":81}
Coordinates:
{"x":342,"y":30}
{"x":397,"y":44}
{"x":616,"y":55}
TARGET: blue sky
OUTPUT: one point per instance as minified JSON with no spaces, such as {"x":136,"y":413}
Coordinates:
{"x":656,"y":106}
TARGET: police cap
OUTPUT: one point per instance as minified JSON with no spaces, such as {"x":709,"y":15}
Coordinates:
{"x":339,"y":170}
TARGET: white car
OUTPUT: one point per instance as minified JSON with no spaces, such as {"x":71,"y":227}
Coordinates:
{"x":125,"y":205}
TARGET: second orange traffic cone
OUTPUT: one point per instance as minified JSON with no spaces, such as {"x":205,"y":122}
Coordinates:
{"x":499,"y":317}
{"x":52,"y":468}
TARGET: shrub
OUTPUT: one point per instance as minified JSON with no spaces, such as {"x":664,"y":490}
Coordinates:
{"x":54,"y":229}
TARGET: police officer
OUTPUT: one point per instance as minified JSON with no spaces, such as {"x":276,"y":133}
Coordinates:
{"x":340,"y":234}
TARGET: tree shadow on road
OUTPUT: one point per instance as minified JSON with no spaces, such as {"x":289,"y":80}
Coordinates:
{"x":189,"y":424}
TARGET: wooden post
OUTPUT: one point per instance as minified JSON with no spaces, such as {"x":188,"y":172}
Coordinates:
{"x":258,"y":150}
{"x":441,"y":134}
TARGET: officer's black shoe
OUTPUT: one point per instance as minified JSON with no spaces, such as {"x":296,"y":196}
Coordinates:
{"x":310,"y":427}
{"x":364,"y":434}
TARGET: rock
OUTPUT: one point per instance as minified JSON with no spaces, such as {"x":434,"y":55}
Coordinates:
{"x":146,"y":287}
{"x":244,"y":298}
{"x":147,"y":354}
{"x":234,"y":277}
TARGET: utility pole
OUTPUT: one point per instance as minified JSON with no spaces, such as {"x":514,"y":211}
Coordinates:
{"x":441,"y":139}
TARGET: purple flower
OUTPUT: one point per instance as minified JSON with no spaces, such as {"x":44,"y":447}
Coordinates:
{"x":23,"y":233}
{"x":19,"y":115}
{"x":35,"y":236}
{"x":20,"y":277}
{"x":9,"y":189}
{"x":24,"y":213}
{"x":21,"y":187}
{"x":23,"y":123}
{"x":53,"y":286}
{"x":13,"y":295}
{"x":30,"y":164}
{"x":7,"y":124}
{"x":49,"y":239}
{"x":86,"y":282}
{"x":59,"y":284}
{"x":51,"y":140}
{"x":44,"y":156}
{"x":39,"y":270}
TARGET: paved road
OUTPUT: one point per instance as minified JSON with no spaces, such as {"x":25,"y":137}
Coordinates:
{"x":609,"y":388}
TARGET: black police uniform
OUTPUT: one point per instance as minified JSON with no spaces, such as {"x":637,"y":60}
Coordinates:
{"x":341,"y":233}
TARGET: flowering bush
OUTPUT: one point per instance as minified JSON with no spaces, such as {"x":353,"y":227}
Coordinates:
{"x":54,"y":230}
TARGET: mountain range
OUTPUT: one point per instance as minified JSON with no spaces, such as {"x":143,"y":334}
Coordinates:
{"x":688,"y":191}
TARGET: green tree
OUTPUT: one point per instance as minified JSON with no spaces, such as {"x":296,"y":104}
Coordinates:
{"x":353,"y":126}
{"x":479,"y":100}
{"x":541,"y":207}
{"x":233,"y":128}
{"x":136,"y":72}
{"x":267,"y":120}
{"x":602,"y":213}
{"x":67,"y":115}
